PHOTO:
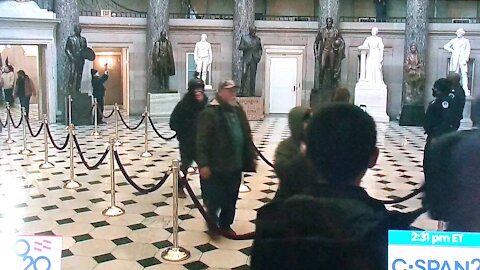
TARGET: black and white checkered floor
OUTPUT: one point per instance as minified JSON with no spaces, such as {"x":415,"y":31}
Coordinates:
{"x":32,"y":201}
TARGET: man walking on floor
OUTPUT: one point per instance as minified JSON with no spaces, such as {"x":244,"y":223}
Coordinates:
{"x":224,"y":151}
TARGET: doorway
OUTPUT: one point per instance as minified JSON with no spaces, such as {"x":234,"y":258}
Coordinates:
{"x":116,"y":87}
{"x":283,"y":79}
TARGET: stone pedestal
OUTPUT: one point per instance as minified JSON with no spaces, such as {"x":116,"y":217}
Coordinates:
{"x":162,"y":104}
{"x":467,"y":123}
{"x":81,"y":109}
{"x":374,"y":98}
{"x":253,"y":107}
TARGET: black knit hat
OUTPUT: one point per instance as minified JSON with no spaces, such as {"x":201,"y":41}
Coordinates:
{"x":195,"y":83}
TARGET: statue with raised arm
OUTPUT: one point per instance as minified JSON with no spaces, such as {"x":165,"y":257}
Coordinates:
{"x":374,"y":63}
{"x":415,"y":79}
{"x":77,"y":51}
{"x":203,"y":57}
{"x":163,"y":63}
{"x":251,"y":45}
{"x":459,"y":47}
{"x":329,"y":50}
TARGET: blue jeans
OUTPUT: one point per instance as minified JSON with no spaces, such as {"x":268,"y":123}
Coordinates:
{"x":25,"y":103}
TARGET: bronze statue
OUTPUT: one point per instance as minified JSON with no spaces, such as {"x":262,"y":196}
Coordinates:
{"x":415,"y":79}
{"x":329,"y":50}
{"x":77,"y":51}
{"x":163,"y":63}
{"x":251,"y":45}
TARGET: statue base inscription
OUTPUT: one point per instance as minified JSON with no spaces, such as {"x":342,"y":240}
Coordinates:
{"x":253,"y":107}
{"x":374,"y":98}
{"x":162,"y":104}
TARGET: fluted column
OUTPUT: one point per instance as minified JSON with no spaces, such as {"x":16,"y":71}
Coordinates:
{"x":415,"y":32}
{"x":67,"y":12}
{"x":157,"y":21}
{"x":243,"y":18}
{"x":329,"y":8}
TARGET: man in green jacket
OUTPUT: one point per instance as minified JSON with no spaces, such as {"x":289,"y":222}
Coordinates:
{"x":224,"y":151}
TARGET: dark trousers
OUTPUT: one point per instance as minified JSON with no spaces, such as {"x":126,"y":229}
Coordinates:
{"x":25,"y":103}
{"x":9,"y":96}
{"x":100,"y":107}
{"x":187,"y":158}
{"x":220,"y":194}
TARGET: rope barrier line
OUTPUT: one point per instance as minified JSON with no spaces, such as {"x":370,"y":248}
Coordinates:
{"x":53,"y":142}
{"x":110,"y":114}
{"x":202,"y":210}
{"x":158,"y":133}
{"x":408,"y":197}
{"x":84,"y":161}
{"x":6,"y":122}
{"x":127,"y":126}
{"x":13,"y":123}
{"x":34,"y":135}
{"x":131,"y":182}
{"x":263,"y":157}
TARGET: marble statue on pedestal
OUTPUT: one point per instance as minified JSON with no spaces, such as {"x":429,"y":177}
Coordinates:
{"x":459,"y":47}
{"x":329,"y":50}
{"x":203,"y":57}
{"x":374,"y":62}
{"x":415,"y":79}
{"x":371,"y":90}
{"x":251,"y":45}
{"x":163,"y":63}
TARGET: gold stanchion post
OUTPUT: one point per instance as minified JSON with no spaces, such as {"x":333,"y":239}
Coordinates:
{"x":146,"y":153}
{"x":25,"y":150}
{"x":175,"y":253}
{"x":46,"y":164}
{"x":71,"y":183}
{"x":95,"y":131}
{"x":9,"y":139}
{"x":117,"y":111}
{"x":112,"y":210}
{"x":244,"y":188}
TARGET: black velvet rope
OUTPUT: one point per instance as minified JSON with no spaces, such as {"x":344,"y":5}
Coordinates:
{"x":127,"y":126}
{"x":131,"y":182}
{"x":408,"y":197}
{"x":84,"y":161}
{"x":262,"y":156}
{"x":158,"y":133}
{"x":53,"y":142}
{"x":34,"y":135}
{"x":6,"y":123}
{"x":202,"y":210}
{"x":13,"y":123}
{"x":110,"y":114}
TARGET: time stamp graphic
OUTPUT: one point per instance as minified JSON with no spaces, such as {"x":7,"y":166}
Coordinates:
{"x":422,"y":250}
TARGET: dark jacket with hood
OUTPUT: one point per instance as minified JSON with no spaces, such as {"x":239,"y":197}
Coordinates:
{"x":98,"y":85}
{"x":332,"y":227}
{"x":215,"y":139}
{"x":292,"y":168}
{"x":183,"y":121}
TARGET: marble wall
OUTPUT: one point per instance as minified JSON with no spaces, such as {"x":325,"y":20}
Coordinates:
{"x":130,"y":33}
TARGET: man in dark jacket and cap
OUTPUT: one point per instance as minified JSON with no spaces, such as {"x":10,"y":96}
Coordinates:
{"x":336,"y":224}
{"x":184,"y":122}
{"x":99,"y":91}
{"x":224,"y":151}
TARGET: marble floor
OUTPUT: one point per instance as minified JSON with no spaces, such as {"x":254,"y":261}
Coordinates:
{"x":32,"y":201}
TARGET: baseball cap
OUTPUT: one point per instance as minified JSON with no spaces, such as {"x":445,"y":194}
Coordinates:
{"x":227,"y":84}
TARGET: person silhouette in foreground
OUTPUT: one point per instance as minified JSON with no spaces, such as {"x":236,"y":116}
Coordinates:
{"x":335,"y":224}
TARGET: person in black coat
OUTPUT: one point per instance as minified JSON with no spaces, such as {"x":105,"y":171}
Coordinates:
{"x":183,"y":121}
{"x":99,"y":91}
{"x":334,"y":224}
